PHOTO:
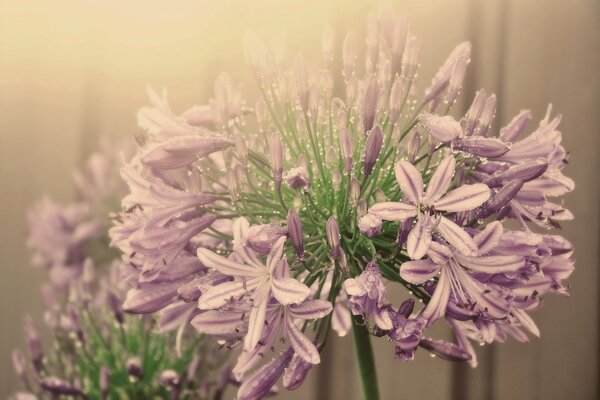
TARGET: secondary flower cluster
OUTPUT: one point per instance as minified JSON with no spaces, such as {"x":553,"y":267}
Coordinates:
{"x":266,"y":223}
{"x":96,"y":350}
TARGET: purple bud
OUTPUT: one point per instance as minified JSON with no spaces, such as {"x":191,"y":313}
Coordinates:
{"x":18,"y":362}
{"x":295,"y":232}
{"x":347,"y":148}
{"x":134,"y":367}
{"x":474,"y":112}
{"x":456,"y":79}
{"x":481,"y":146}
{"x":396,"y":97}
{"x":516,"y":127}
{"x":443,"y":129}
{"x":445,"y":350}
{"x":297,"y":178}
{"x":442,"y":77}
{"x":406,"y":308}
{"x":372,"y":149}
{"x":295,"y":373}
{"x":104,"y":381}
{"x":410,"y":60}
{"x":59,"y":387}
{"x":501,"y":198}
{"x":333,"y":237}
{"x":150,"y":297}
{"x":369,"y":225}
{"x":114,"y":304}
{"x":361,"y":207}
{"x":403,"y":232}
{"x":487,"y":115}
{"x":260,"y":383}
{"x":242,"y":149}
{"x":232,"y":183}
{"x":276,"y":152}
{"x":379,"y":195}
{"x":261,"y":238}
{"x":190,"y":291}
{"x":371,"y":91}
{"x":525,"y":172}
{"x":34,"y":345}
{"x":169,"y":378}
{"x":354,"y":191}
{"x":413,"y":147}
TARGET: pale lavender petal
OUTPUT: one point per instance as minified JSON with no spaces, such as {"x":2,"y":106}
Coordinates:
{"x":312,"y":309}
{"x":180,"y":151}
{"x":441,"y":128}
{"x":275,"y":254}
{"x":516,"y":127}
{"x":410,"y":181}
{"x":436,"y":307}
{"x":492,"y":264}
{"x":526,"y":321}
{"x":256,"y":324}
{"x":457,"y":237}
{"x":303,"y":347}
{"x":218,"y":322}
{"x":289,"y":290}
{"x":464,"y":198}
{"x":149,"y":298}
{"x":256,"y":386}
{"x":445,"y":350}
{"x":419,"y":238}
{"x":440,"y":180}
{"x":219,"y":295}
{"x":501,"y":198}
{"x":226,"y":266}
{"x":295,"y":373}
{"x":481,"y":146}
{"x":418,"y":271}
{"x":382,"y":319}
{"x":489,"y":237}
{"x":393,"y":211}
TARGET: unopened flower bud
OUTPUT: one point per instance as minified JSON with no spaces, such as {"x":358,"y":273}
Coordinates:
{"x":361,"y":208}
{"x":297,"y":178}
{"x":169,"y":378}
{"x":442,"y":77}
{"x":487,"y":115}
{"x":336,"y":179}
{"x":354,"y":191}
{"x":526,"y":172}
{"x":276,"y":152}
{"x":372,"y":150}
{"x":135,"y":368}
{"x":501,"y":198}
{"x":369,"y":225}
{"x":472,"y":117}
{"x":371,"y":91}
{"x":104,"y":381}
{"x":481,"y":146}
{"x":379,"y":196}
{"x":410,"y":59}
{"x":295,"y":232}
{"x":295,"y":373}
{"x":396,"y":97}
{"x":456,"y":79}
{"x":242,"y":149}
{"x":257,"y":385}
{"x":261,"y":238}
{"x":406,"y":308}
{"x":114,"y":304}
{"x":413,"y":147}
{"x":59,"y":387}
{"x":347,"y":149}
{"x":443,"y":129}
{"x":445,"y":350}
{"x":333,"y":237}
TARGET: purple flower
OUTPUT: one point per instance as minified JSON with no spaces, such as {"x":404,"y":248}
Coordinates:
{"x":333,"y":237}
{"x":260,"y":383}
{"x":427,"y":207}
{"x":180,"y":151}
{"x":258,"y":279}
{"x":372,"y":150}
{"x":369,"y":225}
{"x":367,"y":296}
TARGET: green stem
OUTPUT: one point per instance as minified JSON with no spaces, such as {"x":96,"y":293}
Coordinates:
{"x":366,"y":362}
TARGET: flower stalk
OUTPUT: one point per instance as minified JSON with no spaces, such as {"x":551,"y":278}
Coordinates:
{"x":365,"y":359}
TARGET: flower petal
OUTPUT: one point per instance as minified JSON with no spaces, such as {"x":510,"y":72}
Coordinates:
{"x":303,"y":347}
{"x":489,"y":238}
{"x":418,"y":271}
{"x":312,"y":309}
{"x":440,"y":180}
{"x":256,"y":324}
{"x":275,"y":254}
{"x":410,"y":181}
{"x":218,"y":322}
{"x":393,"y":211}
{"x":436,"y":308}
{"x":419,"y":239}
{"x":225,"y":265}
{"x":289,"y":290}
{"x":457,"y":237}
{"x":219,"y":295}
{"x":382,"y":319}
{"x":464,"y":198}
{"x":492,"y":264}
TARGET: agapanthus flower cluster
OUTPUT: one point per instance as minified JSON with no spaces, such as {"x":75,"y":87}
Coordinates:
{"x":96,"y":350}
{"x":266,"y":220}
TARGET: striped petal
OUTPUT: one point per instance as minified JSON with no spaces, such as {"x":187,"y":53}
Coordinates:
{"x":303,"y":347}
{"x":489,"y":238}
{"x":457,"y":237}
{"x":219,"y":295}
{"x":275,"y":254}
{"x":410,"y":181}
{"x":436,"y":308}
{"x":393,"y":211}
{"x":418,"y":271}
{"x":492,"y":264}
{"x":463,"y":198}
{"x":256,"y":323}
{"x":313,"y":309}
{"x":289,"y":290}
{"x":419,"y":238}
{"x":440,"y":180}
{"x":218,"y":322}
{"x":227,"y":266}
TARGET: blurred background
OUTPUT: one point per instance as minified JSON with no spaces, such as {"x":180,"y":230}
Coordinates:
{"x":72,"y":71}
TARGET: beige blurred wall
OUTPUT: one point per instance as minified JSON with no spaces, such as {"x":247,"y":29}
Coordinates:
{"x":72,"y":71}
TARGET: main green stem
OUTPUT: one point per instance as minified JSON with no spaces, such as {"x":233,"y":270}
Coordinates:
{"x":366,"y":361}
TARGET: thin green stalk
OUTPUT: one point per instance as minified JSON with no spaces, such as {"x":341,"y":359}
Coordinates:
{"x":366,"y":361}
